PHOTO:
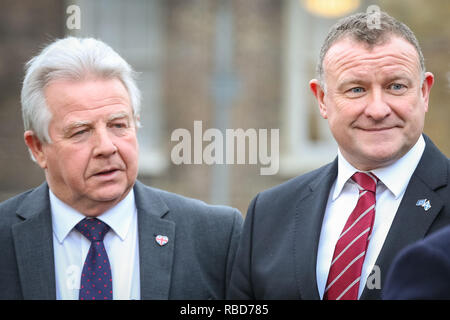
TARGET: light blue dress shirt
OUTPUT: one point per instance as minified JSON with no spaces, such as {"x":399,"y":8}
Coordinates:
{"x":71,"y":248}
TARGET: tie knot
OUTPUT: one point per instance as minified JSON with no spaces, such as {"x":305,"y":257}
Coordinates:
{"x":93,"y":229}
{"x":366,"y":181}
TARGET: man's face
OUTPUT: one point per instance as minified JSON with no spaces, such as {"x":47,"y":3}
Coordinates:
{"x":91,"y":163}
{"x":375,"y":101}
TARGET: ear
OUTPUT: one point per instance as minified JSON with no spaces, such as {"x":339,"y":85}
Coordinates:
{"x":36,"y":148}
{"x":137,"y":122}
{"x":426,"y":88}
{"x":319,"y":93}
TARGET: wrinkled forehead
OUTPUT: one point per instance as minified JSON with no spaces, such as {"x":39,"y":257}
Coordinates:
{"x":347,"y":54}
{"x":88,"y":93}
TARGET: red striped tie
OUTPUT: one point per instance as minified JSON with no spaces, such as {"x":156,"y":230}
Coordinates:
{"x":348,"y":258}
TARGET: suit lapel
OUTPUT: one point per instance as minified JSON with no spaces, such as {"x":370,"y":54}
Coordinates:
{"x":308,"y":223}
{"x":155,"y":260}
{"x":411,"y":222}
{"x":33,"y":242}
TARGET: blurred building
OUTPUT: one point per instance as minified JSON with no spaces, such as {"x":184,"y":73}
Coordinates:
{"x":228,"y":63}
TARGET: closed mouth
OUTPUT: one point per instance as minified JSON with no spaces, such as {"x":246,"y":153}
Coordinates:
{"x":376,"y":129}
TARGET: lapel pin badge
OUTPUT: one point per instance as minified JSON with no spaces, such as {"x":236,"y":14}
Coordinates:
{"x":424,"y":203}
{"x":161,"y":240}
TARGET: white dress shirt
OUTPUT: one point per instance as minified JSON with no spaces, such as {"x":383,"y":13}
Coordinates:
{"x":343,"y":198}
{"x":71,"y":248}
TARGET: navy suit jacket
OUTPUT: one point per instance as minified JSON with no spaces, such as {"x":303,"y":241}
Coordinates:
{"x":277,"y":255}
{"x":195,"y":263}
{"x":422,"y":270}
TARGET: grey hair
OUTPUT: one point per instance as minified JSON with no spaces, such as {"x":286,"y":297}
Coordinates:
{"x":358,"y":27}
{"x":71,"y":59}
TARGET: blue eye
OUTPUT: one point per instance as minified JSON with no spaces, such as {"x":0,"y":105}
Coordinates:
{"x":78,"y":133}
{"x":397,"y":86}
{"x":119,"y":125}
{"x":357,"y":90}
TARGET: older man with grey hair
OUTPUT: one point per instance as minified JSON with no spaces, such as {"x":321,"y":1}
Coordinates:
{"x":333,"y":233}
{"x":92,"y":231}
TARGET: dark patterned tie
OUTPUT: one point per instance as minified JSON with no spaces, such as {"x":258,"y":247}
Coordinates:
{"x":349,"y":253}
{"x":96,"y":279}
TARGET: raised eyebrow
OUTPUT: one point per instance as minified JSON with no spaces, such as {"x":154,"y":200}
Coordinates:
{"x":348,"y":82}
{"x":398,"y":78}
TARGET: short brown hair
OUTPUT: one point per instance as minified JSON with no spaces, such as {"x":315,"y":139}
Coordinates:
{"x":357,"y":27}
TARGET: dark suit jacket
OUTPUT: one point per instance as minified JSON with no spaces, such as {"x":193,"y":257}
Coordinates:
{"x":277,"y":255}
{"x":194,"y":264}
{"x":422,"y":270}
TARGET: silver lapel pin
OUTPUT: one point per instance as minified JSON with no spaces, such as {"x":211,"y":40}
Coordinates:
{"x":424,"y":203}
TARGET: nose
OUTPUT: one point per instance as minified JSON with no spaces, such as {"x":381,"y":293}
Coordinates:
{"x":377,"y":108}
{"x":104,"y":145}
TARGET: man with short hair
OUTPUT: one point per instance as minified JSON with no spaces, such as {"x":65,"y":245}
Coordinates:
{"x":333,"y":233}
{"x":92,"y":231}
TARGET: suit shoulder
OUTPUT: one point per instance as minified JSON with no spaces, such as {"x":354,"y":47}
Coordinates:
{"x":435,"y":245}
{"x":421,"y":270}
{"x":186,"y":206}
{"x":215,"y":223}
{"x":297,"y":184}
{"x":282,"y":199}
{"x":8,"y":211}
{"x":439,"y":241}
{"x":8,"y":208}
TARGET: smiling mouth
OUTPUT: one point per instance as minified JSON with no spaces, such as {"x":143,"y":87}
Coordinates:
{"x":376,"y":129}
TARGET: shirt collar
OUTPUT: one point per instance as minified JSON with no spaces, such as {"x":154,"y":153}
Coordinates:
{"x":395,"y":176}
{"x":65,"y":218}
